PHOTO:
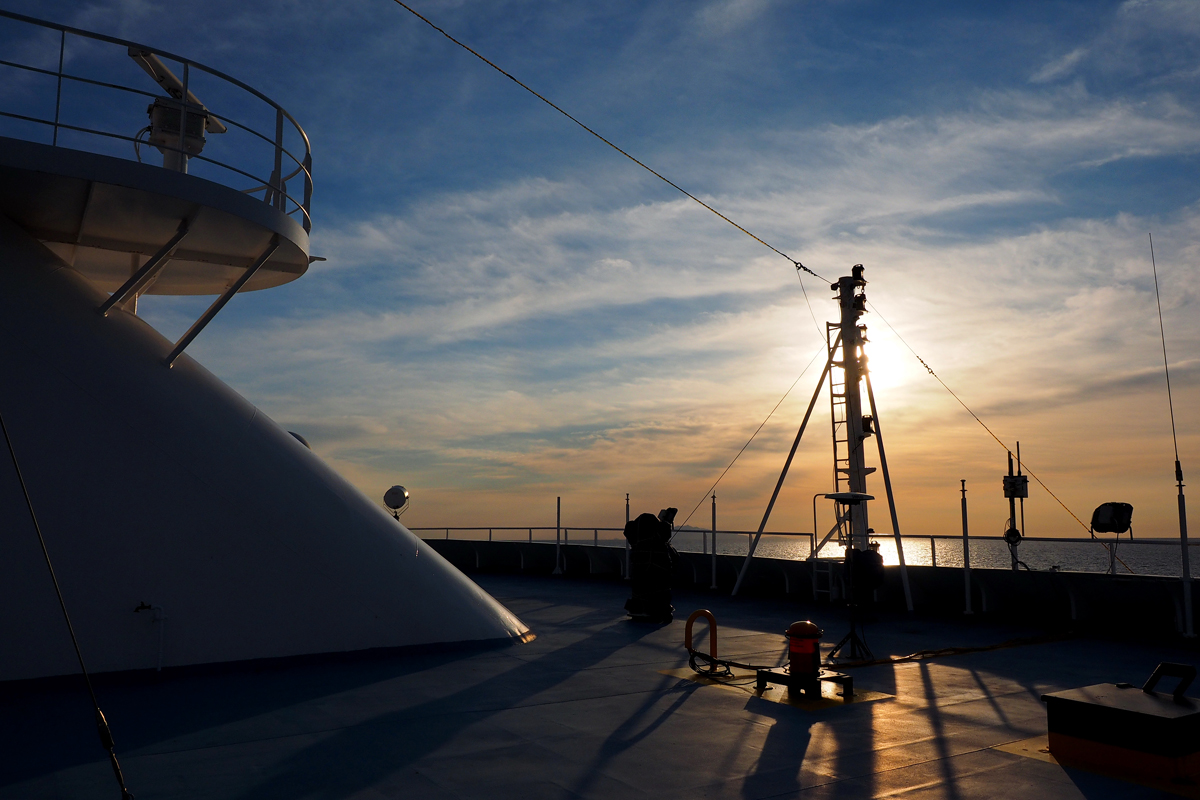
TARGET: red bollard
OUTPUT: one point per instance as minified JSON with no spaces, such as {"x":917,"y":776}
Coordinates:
{"x":804,"y":656}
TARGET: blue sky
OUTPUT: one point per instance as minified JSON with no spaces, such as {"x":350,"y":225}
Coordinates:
{"x":511,"y":311}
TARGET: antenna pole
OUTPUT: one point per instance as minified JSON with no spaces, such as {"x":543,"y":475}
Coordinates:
{"x":966,"y":550}
{"x":853,"y":303}
{"x":1012,"y":516}
{"x":1024,"y":532}
{"x":1188,"y":629}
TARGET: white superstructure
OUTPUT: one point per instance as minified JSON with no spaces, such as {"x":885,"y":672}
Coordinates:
{"x":185,"y":526}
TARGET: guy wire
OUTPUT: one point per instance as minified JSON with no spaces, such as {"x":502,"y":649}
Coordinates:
{"x":799,"y":266}
{"x":751,"y":439}
{"x":641,"y":164}
{"x":999,"y":441}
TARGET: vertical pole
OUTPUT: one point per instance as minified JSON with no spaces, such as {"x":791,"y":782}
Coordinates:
{"x":1023,"y":531}
{"x":489,"y":534}
{"x":531,"y":535}
{"x":627,"y":541}
{"x":595,"y":537}
{"x":62,"y":46}
{"x":1012,"y":513}
{"x":1188,"y":629}
{"x":854,"y":367}
{"x":932,"y":552}
{"x":714,"y":541}
{"x":307,"y":191}
{"x":558,"y":541}
{"x":887,"y":485}
{"x":277,"y":176}
{"x":966,"y":551}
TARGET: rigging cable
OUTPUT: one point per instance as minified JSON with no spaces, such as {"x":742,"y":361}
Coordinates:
{"x":999,"y":441}
{"x":751,"y":439}
{"x":799,"y":266}
{"x":641,"y":164}
{"x":106,"y":739}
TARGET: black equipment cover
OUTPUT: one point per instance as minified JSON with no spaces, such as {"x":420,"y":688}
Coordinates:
{"x":1112,"y":518}
{"x":652,"y":560}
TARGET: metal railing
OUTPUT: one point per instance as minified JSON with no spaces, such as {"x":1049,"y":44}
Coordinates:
{"x":90,"y":106}
{"x":924,"y":551}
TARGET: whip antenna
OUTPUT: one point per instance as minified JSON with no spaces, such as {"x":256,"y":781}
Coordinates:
{"x":1183,"y":535}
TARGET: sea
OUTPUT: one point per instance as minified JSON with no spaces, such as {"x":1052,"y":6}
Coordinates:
{"x":1161,"y":557}
{"x":1148,"y":557}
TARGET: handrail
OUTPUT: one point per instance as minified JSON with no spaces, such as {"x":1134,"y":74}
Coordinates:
{"x":276,"y":193}
{"x":444,"y":529}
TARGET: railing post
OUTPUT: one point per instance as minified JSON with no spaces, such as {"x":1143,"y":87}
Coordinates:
{"x":308,"y":187}
{"x":447,"y":533}
{"x":489,"y":534}
{"x":595,"y":537}
{"x":714,"y":541}
{"x":277,"y":175}
{"x":558,"y":540}
{"x":932,"y":552}
{"x":966,"y":551}
{"x":62,"y":46}
{"x":531,"y":535}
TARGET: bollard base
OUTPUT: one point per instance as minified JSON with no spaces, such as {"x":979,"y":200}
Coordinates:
{"x":807,"y":685}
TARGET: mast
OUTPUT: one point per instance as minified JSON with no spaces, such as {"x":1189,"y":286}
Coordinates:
{"x":851,"y":466}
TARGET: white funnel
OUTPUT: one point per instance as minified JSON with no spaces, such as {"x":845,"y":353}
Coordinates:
{"x":164,"y":487}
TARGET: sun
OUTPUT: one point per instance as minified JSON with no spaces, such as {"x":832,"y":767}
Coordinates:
{"x":889,"y":362}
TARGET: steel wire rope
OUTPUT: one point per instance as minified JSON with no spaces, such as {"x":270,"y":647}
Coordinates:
{"x":799,"y":266}
{"x":106,"y":739}
{"x":629,"y":156}
{"x":999,"y":441}
{"x":748,"y":441}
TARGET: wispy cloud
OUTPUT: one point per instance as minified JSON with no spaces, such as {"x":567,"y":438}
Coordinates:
{"x":510,"y":311}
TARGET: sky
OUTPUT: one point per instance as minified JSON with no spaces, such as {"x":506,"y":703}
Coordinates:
{"x":511,"y":312}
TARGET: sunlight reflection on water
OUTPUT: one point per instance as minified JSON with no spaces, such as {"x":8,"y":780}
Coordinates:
{"x":1082,"y":556}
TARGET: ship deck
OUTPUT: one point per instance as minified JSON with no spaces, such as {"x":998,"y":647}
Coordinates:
{"x":588,"y":709}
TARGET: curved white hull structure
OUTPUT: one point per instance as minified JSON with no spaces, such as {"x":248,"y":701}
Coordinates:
{"x":164,"y":487}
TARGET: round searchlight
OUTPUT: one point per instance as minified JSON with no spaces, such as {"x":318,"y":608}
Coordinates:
{"x":396,"y":498}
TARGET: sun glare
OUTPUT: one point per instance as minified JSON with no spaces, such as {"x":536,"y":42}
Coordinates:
{"x":888,"y":362}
